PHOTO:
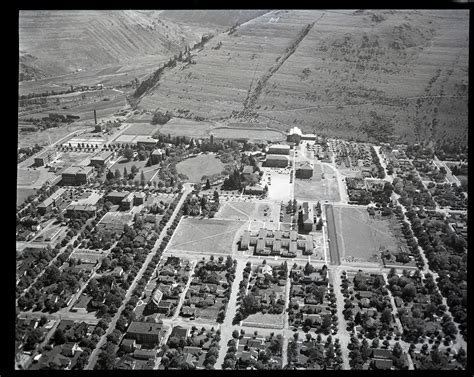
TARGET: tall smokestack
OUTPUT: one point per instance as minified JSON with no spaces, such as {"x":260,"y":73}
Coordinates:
{"x":95,"y":117}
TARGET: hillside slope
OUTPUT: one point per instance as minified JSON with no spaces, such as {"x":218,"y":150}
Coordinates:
{"x":58,"y":42}
{"x":371,"y":74}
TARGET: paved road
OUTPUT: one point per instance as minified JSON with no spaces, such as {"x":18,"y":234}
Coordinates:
{"x":227,"y":327}
{"x":95,"y":353}
{"x":332,"y":235}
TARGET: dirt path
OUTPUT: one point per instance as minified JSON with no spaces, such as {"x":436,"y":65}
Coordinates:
{"x":254,"y":94}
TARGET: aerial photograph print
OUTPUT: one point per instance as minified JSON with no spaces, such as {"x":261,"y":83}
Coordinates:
{"x":245,"y":189}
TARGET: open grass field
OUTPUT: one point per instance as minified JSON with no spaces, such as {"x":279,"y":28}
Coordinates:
{"x":22,"y":194}
{"x":317,"y":189}
{"x":186,"y":127}
{"x":46,"y":137}
{"x":247,"y":133}
{"x":27,"y":176}
{"x":264,"y":320}
{"x":34,"y":178}
{"x":205,"y":236}
{"x":196,"y":167}
{"x":74,"y":158}
{"x":141,"y":129}
{"x":360,"y":238}
{"x":249,"y":211}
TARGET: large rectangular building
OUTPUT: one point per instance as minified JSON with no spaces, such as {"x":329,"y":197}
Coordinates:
{"x":145,"y":332}
{"x":116,"y":197}
{"x":77,"y":175}
{"x":304,"y":170}
{"x":45,"y":157}
{"x":276,"y":242}
{"x":53,"y":201}
{"x":279,"y":149}
{"x":146,"y":141}
{"x":89,"y":209}
{"x":276,"y":161}
{"x":157,"y":156}
{"x":102,"y":158}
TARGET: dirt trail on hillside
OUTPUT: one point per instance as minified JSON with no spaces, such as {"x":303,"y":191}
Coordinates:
{"x":254,"y":93}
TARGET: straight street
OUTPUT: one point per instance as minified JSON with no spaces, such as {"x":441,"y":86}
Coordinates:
{"x":95,"y":353}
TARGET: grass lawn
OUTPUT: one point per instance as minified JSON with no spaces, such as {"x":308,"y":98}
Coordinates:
{"x":141,"y":129}
{"x":248,"y":133}
{"x":186,"y":127}
{"x":22,"y":194}
{"x":267,"y":320}
{"x":248,"y":210}
{"x":205,"y":235}
{"x":123,"y":163}
{"x":361,"y":238}
{"x":196,"y":167}
{"x":210,"y":313}
{"x":317,"y":189}
{"x":27,"y":177}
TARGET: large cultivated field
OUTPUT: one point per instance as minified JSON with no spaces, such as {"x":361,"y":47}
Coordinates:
{"x":365,"y":74}
{"x":197,"y":167}
{"x":360,"y":238}
{"x":205,"y":236}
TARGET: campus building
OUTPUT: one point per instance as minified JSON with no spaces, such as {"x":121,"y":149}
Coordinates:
{"x":145,"y":332}
{"x":276,"y":161}
{"x":75,"y":209}
{"x":157,"y":156}
{"x":276,"y":242}
{"x":53,"y":201}
{"x":127,"y":202}
{"x":146,"y":141}
{"x":279,"y":149}
{"x":45,"y":158}
{"x":77,"y":175}
{"x":304,"y":170}
{"x":294,"y":135}
{"x":116,"y":197}
{"x":102,"y":158}
{"x":254,"y":190}
{"x":307,"y":217}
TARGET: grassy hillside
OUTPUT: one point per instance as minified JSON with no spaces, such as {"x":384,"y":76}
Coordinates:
{"x":378,"y":75}
{"x":59,"y":42}
{"x":212,"y":18}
